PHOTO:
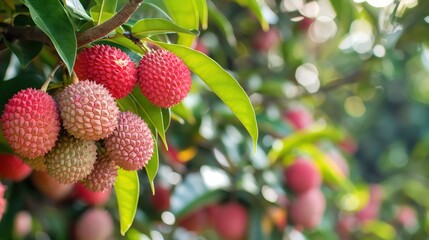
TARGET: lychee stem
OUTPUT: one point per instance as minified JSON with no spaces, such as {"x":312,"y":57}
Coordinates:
{"x":75,"y":79}
{"x":50,"y":77}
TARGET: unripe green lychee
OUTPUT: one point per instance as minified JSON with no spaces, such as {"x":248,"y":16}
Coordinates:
{"x":108,"y":66}
{"x":13,"y":168}
{"x":71,"y":159}
{"x":104,"y":173}
{"x":131,"y":144}
{"x":30,"y":123}
{"x":37,"y":163}
{"x":163,"y":78}
{"x":88,"y":110}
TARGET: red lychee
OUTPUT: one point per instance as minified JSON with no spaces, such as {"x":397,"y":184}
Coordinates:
{"x":108,"y":66}
{"x":94,"y":224}
{"x":131,"y":144}
{"x":49,"y":187}
{"x":163,"y":78}
{"x":22,"y":224}
{"x":88,"y":110}
{"x":2,"y":200}
{"x":161,"y":200}
{"x":308,"y":208}
{"x":91,"y":198}
{"x":104,"y":173}
{"x":13,"y":168}
{"x":231,"y":221}
{"x":299,"y":117}
{"x":263,"y":41}
{"x":196,"y":221}
{"x":30,"y":123}
{"x":302,"y":176}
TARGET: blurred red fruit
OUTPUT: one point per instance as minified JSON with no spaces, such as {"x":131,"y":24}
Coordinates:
{"x":196,"y":221}
{"x":231,"y":221}
{"x":406,"y":216}
{"x":305,"y":24}
{"x":371,"y":210}
{"x":94,"y":224}
{"x":89,"y":197}
{"x":339,"y":162}
{"x":22,"y":223}
{"x":345,"y":226}
{"x":2,"y":200}
{"x":299,"y":117}
{"x":349,"y":145}
{"x":200,"y":46}
{"x":308,"y":208}
{"x":161,"y":200}
{"x":13,"y":168}
{"x":302,"y":176}
{"x":264,"y":41}
{"x":49,"y":186}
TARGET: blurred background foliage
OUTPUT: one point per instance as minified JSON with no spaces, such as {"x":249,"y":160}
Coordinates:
{"x":342,"y":83}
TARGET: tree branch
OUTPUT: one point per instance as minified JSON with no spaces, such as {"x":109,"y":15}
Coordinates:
{"x":105,"y":28}
{"x":88,"y":36}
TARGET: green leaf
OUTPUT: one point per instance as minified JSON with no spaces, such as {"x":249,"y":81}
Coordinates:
{"x":127,"y":190}
{"x":184,"y":113}
{"x":223,"y":23}
{"x":103,"y":10}
{"x":51,"y":18}
{"x":202,"y":12}
{"x":221,"y":82}
{"x":152,"y":166}
{"x":154,"y":26}
{"x":5,"y":61}
{"x":75,"y":8}
{"x":151,"y":113}
{"x":24,"y":50}
{"x":345,"y":11}
{"x":185,"y":14}
{"x":256,"y":7}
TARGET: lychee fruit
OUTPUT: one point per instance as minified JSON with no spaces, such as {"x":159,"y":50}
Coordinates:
{"x":231,"y":221}
{"x":30,"y":123}
{"x":2,"y":200}
{"x":94,"y":224}
{"x":263,"y":41}
{"x":22,"y":224}
{"x":13,"y":168}
{"x":50,"y":187}
{"x":91,"y":198}
{"x":88,"y":110}
{"x":108,"y":66}
{"x":161,"y":200}
{"x":131,"y":144}
{"x":299,"y":117}
{"x":308,"y":208}
{"x":71,"y":159}
{"x":37,"y":163}
{"x":164,"y":78}
{"x":103,"y":175}
{"x":195,"y":221}
{"x":302,"y":176}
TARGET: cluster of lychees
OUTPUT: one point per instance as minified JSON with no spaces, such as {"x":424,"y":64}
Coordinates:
{"x":79,"y":134}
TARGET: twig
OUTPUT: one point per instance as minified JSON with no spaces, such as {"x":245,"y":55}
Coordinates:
{"x":50,"y":77}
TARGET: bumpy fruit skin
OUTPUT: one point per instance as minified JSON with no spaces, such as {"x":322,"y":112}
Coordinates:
{"x":308,"y":208}
{"x":302,"y":176}
{"x":30,"y":123}
{"x":231,"y":221}
{"x":163,"y":78}
{"x":103,"y":175}
{"x":2,"y":200}
{"x":131,"y":144}
{"x":49,"y":187}
{"x":108,"y":66}
{"x":91,"y":198}
{"x":13,"y":168}
{"x":37,"y":163}
{"x":88,"y":110}
{"x":94,"y":224}
{"x":71,"y":159}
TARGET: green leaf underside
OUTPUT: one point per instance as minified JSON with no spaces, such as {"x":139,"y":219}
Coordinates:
{"x":154,"y":26}
{"x":127,"y":189}
{"x":203,"y":12}
{"x":103,"y":10}
{"x":222,"y":84}
{"x":152,"y":166}
{"x":185,"y":14}
{"x":256,"y":7}
{"x":25,"y":51}
{"x":52,"y":19}
{"x":75,"y":7}
{"x":223,"y":23}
